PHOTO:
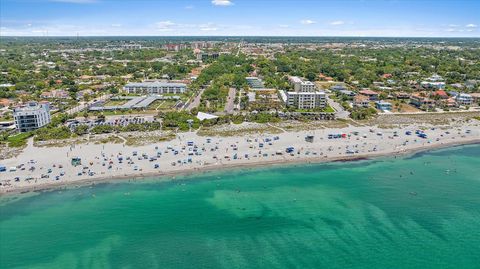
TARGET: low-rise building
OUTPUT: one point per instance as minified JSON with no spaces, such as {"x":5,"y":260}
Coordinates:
{"x":476,"y":97}
{"x":447,"y":103}
{"x":338,"y":87}
{"x":32,"y":116}
{"x":384,"y":106}
{"x":421,"y":101}
{"x":464,"y":99}
{"x":440,"y":94}
{"x":361,"y":101}
{"x":402,"y":95}
{"x":347,"y":93}
{"x":155,"y":87}
{"x":372,"y":95}
{"x":4,"y":102}
{"x":433,"y":84}
{"x":202,"y":56}
{"x":254,"y":82}
{"x":60,"y":94}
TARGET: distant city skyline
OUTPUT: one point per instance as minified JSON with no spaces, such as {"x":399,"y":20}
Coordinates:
{"x":382,"y":18}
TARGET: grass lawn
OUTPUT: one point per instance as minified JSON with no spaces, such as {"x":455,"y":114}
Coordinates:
{"x":327,"y":109}
{"x":18,"y":140}
{"x":120,"y":113}
{"x":6,"y":119}
{"x":116,"y":102}
{"x":406,"y":108}
{"x":162,"y":104}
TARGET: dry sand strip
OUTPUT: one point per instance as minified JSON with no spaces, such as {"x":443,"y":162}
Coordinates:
{"x":38,"y":168}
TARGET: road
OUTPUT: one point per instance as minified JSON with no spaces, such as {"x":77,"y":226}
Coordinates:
{"x":340,"y":113}
{"x":196,"y":101}
{"x":84,"y":105}
{"x":230,"y":105}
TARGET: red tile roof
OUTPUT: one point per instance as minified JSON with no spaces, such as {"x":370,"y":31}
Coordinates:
{"x":368,"y":92}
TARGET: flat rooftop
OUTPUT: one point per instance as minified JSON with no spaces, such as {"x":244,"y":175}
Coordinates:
{"x":155,"y":84}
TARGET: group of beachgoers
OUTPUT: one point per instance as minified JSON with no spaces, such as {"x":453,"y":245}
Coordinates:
{"x":51,"y":166}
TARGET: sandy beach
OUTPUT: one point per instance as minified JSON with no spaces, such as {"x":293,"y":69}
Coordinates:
{"x":39,"y":168}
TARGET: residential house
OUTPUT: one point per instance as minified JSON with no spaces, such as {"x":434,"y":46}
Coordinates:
{"x":84,"y":93}
{"x":4,"y":102}
{"x":421,"y":101}
{"x":441,"y":94}
{"x":372,"y":95}
{"x":361,"y":101}
{"x":348,"y":94}
{"x":401,"y":95}
{"x":384,"y":106}
{"x":476,"y":97}
{"x":464,"y":99}
{"x":338,"y":87}
{"x":59,"y":94}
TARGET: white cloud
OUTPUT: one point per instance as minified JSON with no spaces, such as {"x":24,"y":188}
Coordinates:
{"x":471,"y":25}
{"x":453,"y":25}
{"x":189,"y":7}
{"x":222,"y":2}
{"x":116,"y":25}
{"x":307,"y":22}
{"x":451,"y":30}
{"x":283,"y":25}
{"x":164,"y":26}
{"x":337,"y":23}
{"x":208,"y":27}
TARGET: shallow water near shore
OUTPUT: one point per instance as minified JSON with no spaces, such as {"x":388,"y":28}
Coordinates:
{"x":419,"y":211}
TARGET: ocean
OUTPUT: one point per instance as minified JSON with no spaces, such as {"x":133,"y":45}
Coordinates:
{"x":417,"y":211}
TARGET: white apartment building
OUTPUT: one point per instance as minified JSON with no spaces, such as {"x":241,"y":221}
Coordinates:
{"x":464,"y":99}
{"x":155,"y":87}
{"x":306,"y":100}
{"x":299,"y":85}
{"x":32,"y":116}
{"x":305,"y":95}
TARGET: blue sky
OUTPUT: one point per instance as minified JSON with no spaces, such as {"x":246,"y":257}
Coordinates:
{"x":443,"y":18}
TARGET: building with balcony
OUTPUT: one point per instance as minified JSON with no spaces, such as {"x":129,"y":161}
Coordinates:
{"x":464,"y":99}
{"x":383,"y":106}
{"x":361,"y":101}
{"x":305,"y":95}
{"x":155,"y":87}
{"x":31,"y":117}
{"x":306,"y":100}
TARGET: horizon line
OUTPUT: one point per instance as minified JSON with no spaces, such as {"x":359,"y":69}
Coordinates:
{"x":232,"y":36}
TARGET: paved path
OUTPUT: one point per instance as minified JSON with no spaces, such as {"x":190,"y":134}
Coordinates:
{"x":340,"y":113}
{"x":84,"y":105}
{"x":276,"y":127}
{"x":230,"y":105}
{"x":196,"y":101}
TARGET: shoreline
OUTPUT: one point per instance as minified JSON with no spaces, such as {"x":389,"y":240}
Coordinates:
{"x":163,"y":176}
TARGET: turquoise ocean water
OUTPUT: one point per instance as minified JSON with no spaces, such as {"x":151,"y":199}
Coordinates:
{"x":420,"y":211}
